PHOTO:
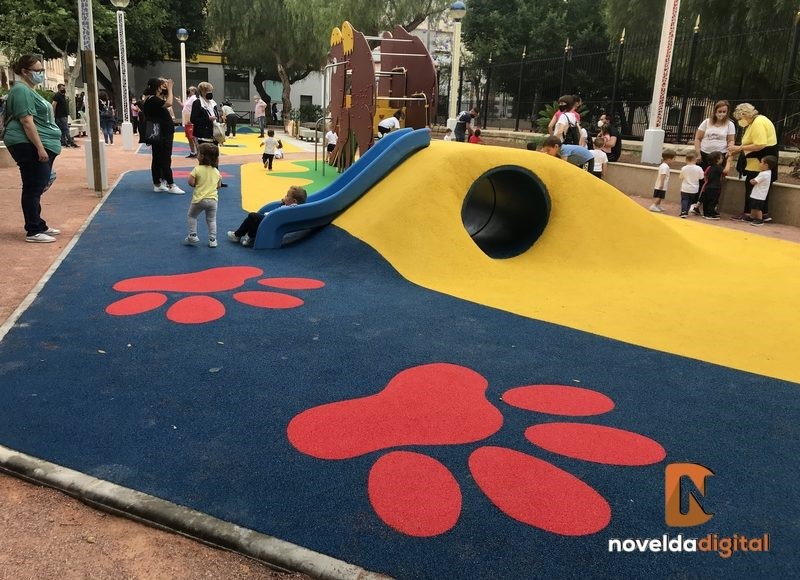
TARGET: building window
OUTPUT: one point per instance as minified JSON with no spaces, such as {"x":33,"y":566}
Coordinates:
{"x":196,"y":75}
{"x":237,"y":85}
{"x":306,"y":100}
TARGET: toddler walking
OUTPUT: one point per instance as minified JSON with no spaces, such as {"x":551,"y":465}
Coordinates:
{"x":662,"y":180}
{"x":270,"y":147}
{"x":761,"y":183}
{"x":600,"y":158}
{"x":205,"y":179}
{"x":691,"y":174}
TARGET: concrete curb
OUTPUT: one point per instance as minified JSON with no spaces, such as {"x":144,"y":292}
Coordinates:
{"x":173,"y":517}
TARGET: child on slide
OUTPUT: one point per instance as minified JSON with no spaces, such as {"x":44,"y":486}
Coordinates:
{"x":249,"y":227}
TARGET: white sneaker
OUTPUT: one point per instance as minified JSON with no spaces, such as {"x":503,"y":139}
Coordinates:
{"x":191,"y":240}
{"x":175,"y":189}
{"x":160,"y":188}
{"x":655,"y":208}
{"x":212,"y":242}
{"x":40,"y":239}
{"x":52,"y":232}
{"x":247,"y":241}
{"x":234,"y":238}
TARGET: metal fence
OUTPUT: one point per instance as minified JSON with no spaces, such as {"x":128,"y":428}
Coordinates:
{"x":757,"y":67}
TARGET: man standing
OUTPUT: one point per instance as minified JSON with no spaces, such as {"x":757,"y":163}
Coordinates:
{"x":464,"y":124}
{"x":261,"y":114}
{"x":61,"y":113}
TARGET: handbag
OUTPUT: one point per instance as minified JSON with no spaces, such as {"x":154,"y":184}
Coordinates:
{"x":218,"y":131}
{"x":152,"y":133}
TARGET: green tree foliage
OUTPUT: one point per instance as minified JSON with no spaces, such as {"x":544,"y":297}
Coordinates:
{"x":502,"y":28}
{"x":50,"y":27}
{"x":285,"y":40}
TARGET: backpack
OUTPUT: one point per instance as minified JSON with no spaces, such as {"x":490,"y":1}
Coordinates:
{"x":572,"y":135}
{"x":106,"y":111}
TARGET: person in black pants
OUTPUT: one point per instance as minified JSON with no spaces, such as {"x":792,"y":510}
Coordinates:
{"x":247,"y":231}
{"x":61,"y":111}
{"x":158,"y":100}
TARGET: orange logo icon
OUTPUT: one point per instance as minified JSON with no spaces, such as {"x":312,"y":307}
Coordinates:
{"x":695,"y":514}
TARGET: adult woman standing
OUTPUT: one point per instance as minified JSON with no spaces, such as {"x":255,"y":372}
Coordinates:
{"x":716,"y":133}
{"x":34,"y":141}
{"x":759,"y":140}
{"x":156,"y":109}
{"x":108,"y":117}
{"x":204,"y":113}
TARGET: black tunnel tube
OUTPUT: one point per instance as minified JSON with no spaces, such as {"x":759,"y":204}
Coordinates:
{"x":506,"y":210}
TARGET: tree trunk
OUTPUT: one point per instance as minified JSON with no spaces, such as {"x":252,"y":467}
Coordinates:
{"x":258,"y":83}
{"x":71,"y":74}
{"x":113,"y":86}
{"x":286,"y":95}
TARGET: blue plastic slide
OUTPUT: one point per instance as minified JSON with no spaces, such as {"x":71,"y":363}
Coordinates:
{"x":323,"y":207}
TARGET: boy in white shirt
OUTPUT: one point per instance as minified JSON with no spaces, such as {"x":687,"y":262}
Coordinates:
{"x":270,"y":146}
{"x":691,"y":174}
{"x":390,"y":123}
{"x":331,"y":138}
{"x":662,"y":180}
{"x":761,"y":183}
{"x":600,"y":159}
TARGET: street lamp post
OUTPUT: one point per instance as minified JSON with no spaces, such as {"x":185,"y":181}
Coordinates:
{"x":126,"y":129}
{"x":183,"y":36}
{"x":457,"y":12}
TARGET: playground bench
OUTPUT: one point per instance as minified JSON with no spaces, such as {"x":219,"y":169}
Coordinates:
{"x":306,"y":134}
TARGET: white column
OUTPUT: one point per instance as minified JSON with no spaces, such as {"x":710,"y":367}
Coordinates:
{"x":654,"y":135}
{"x":183,"y":71}
{"x":126,"y":129}
{"x":456,"y":65}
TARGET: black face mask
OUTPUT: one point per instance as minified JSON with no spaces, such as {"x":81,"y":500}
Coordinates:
{"x":209,"y":96}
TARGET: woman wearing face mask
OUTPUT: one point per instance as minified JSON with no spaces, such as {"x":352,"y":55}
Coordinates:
{"x":714,"y":134}
{"x":204,"y":113}
{"x":758,"y":141}
{"x":156,"y":109}
{"x":34,"y":141}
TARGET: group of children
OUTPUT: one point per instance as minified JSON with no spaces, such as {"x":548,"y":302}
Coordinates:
{"x":474,"y":138}
{"x":206,"y":180}
{"x":702,"y":188}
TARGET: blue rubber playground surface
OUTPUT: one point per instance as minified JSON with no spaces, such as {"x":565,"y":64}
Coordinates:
{"x":314,"y":394}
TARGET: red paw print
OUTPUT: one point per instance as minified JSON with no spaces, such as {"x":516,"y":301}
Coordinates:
{"x":445,"y":404}
{"x":199,"y":309}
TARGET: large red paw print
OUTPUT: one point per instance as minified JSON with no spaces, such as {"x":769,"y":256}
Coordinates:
{"x":445,"y":404}
{"x":201,"y":308}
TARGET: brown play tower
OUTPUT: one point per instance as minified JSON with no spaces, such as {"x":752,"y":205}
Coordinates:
{"x":363,"y":91}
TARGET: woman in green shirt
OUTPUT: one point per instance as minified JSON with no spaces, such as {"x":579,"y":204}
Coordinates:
{"x":34,"y":141}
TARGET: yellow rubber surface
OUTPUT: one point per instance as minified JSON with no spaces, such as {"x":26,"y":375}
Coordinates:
{"x":244,"y":144}
{"x":259,"y":186}
{"x":603,"y":265}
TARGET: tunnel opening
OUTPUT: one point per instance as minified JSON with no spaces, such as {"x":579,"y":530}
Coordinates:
{"x":506,"y":210}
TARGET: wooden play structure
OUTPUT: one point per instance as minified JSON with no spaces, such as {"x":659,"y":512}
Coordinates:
{"x":369,"y":84}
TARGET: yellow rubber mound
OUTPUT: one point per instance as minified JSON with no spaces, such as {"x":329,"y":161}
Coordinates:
{"x":603,"y":264}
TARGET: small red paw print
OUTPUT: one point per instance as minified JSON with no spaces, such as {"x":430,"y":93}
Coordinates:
{"x":445,"y":404}
{"x":202,"y":308}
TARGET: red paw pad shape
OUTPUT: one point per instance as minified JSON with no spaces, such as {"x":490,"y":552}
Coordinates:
{"x":446,"y":404}
{"x":200,"y":309}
